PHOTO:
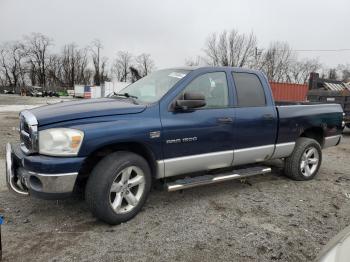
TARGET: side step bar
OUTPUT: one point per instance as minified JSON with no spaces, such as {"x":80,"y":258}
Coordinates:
{"x":189,"y":182}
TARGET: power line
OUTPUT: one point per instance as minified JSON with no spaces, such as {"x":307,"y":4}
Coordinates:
{"x":321,"y":50}
{"x":259,"y":50}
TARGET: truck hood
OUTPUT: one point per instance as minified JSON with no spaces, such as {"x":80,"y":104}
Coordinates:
{"x":72,"y":110}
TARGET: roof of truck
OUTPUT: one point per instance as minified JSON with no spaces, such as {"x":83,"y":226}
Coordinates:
{"x":192,"y":68}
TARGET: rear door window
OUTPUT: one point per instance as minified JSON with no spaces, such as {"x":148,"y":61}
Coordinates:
{"x":250,"y":92}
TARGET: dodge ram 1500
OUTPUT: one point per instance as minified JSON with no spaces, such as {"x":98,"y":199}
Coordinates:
{"x":184,"y":126}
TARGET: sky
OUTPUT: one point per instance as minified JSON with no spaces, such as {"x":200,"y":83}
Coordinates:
{"x":173,"y":30}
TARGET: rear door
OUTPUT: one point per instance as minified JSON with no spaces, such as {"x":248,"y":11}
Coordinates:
{"x":255,"y":125}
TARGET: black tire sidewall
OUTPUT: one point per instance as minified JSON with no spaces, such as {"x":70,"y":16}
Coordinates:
{"x":101,"y":179}
{"x":292,"y":163}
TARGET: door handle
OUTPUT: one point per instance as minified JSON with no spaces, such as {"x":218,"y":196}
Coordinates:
{"x":268,"y":117}
{"x":225,"y":120}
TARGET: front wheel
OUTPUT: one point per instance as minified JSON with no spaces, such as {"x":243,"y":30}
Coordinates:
{"x":118,"y":187}
{"x":304,"y":162}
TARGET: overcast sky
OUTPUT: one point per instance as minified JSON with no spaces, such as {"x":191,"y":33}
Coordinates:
{"x":172,"y":30}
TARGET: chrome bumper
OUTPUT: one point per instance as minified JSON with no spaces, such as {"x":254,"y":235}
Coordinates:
{"x":23,"y":182}
{"x":11,"y":178}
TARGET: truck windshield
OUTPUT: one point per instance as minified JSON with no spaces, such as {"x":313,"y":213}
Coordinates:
{"x":152,"y":87}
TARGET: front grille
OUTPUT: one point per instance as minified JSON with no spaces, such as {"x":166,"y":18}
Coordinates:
{"x":28,"y":132}
{"x":26,"y":127}
{"x":26,"y":140}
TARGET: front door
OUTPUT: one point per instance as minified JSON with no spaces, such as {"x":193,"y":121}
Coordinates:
{"x":200,"y":139}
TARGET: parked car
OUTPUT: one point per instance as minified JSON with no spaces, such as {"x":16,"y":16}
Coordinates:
{"x":185,"y":127}
{"x":36,"y":91}
{"x":50,"y":94}
{"x":9,"y":92}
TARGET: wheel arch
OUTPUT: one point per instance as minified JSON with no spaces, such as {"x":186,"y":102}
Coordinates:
{"x":316,"y":133}
{"x":134,"y":147}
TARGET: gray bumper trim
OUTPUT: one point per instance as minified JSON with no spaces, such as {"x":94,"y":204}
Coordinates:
{"x":51,"y":183}
{"x":331,"y":141}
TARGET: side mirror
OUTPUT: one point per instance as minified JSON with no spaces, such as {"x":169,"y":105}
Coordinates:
{"x":190,"y":101}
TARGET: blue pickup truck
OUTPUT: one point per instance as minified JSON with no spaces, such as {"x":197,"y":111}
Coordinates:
{"x":183,"y":126}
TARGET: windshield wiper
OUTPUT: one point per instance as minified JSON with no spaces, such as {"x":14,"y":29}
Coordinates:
{"x":127,"y":95}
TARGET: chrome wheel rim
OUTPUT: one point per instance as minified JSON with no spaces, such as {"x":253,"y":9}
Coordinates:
{"x":127,"y":189}
{"x":309,"y":161}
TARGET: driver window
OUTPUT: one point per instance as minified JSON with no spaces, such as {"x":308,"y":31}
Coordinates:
{"x":214,"y":88}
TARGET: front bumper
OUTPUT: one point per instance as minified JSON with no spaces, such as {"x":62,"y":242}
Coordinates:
{"x":40,"y":176}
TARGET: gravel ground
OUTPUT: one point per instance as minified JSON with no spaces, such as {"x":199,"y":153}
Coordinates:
{"x":264,"y":218}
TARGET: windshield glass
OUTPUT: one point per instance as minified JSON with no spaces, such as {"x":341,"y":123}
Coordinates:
{"x":152,"y":87}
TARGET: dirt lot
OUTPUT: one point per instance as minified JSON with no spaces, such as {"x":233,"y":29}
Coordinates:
{"x":266,"y":218}
{"x":9,"y":100}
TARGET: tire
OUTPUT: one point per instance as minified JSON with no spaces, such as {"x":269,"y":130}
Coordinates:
{"x":298,"y":166}
{"x":116,"y":181}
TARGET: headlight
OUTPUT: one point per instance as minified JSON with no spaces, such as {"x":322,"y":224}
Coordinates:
{"x":60,"y":141}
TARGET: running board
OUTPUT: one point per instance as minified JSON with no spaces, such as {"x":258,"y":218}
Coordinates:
{"x":189,"y":182}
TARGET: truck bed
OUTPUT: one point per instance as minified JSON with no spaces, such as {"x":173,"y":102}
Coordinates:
{"x":296,"y":117}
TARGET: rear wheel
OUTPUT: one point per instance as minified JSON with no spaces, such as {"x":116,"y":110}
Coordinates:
{"x":305,"y":160}
{"x":118,"y":187}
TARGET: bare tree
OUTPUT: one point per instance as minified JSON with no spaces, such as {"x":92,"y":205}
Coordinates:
{"x":332,"y":74}
{"x":12,"y":64}
{"x":103,"y":72}
{"x":344,"y":72}
{"x":211,"y":50}
{"x":276,"y":61}
{"x":95,"y":48}
{"x":135,"y":74}
{"x":29,"y":61}
{"x":37,"y":48}
{"x":144,"y":64}
{"x":3,"y":81}
{"x":195,"y":61}
{"x":121,"y":66}
{"x":68,"y":62}
{"x":299,"y":71}
{"x":4,"y":54}
{"x":74,"y":64}
{"x":82,"y":75}
{"x":230,"y":49}
{"x":54,"y":72}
